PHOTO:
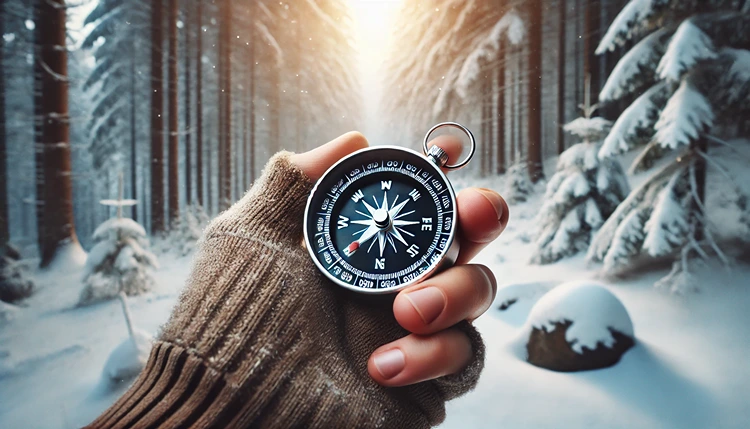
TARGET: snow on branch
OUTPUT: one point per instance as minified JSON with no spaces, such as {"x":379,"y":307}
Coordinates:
{"x":688,"y":46}
{"x":627,"y":23}
{"x":740,"y":70}
{"x":640,"y":62}
{"x":666,"y":228}
{"x":592,"y":129}
{"x":642,"y":114}
{"x":685,"y":116}
{"x":509,"y":25}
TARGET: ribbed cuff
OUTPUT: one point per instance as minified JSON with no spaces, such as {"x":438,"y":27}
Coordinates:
{"x":273,"y":208}
{"x":176,"y":389}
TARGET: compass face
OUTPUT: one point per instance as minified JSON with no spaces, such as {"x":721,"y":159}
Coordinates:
{"x":380,"y":219}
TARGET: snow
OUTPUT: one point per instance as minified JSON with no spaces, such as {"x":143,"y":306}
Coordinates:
{"x":685,"y":116}
{"x":633,"y":65}
{"x":688,"y":369}
{"x":109,"y":229}
{"x":627,"y":24}
{"x":586,"y":127}
{"x":128,"y":358}
{"x":688,"y":46}
{"x":591,"y":308}
{"x":666,"y":228}
{"x":740,"y":70}
{"x":7,"y":312}
{"x":70,"y":256}
{"x":640,"y":114}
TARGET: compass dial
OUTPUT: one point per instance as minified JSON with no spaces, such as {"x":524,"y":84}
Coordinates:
{"x":381,"y":219}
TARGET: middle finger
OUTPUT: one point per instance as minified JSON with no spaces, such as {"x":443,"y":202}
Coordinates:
{"x":459,"y":293}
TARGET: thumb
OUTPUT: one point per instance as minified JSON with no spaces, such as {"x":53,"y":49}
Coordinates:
{"x":315,"y":162}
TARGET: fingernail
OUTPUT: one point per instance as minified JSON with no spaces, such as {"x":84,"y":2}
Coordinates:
{"x":496,"y":200}
{"x":429,"y":303}
{"x":390,"y":363}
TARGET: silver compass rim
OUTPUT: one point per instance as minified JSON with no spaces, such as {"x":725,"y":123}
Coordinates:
{"x":450,"y":254}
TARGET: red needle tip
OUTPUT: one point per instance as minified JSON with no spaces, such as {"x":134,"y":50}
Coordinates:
{"x":352,"y":248}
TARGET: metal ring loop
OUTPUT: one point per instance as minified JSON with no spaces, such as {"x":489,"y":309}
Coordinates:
{"x":460,"y":127}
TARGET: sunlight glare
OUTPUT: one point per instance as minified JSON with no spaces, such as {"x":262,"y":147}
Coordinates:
{"x":373,"y":21}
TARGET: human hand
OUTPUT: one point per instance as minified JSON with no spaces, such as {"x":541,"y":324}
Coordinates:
{"x":431,"y":308}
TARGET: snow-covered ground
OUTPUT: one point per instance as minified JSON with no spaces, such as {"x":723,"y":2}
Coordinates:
{"x":689,"y":368}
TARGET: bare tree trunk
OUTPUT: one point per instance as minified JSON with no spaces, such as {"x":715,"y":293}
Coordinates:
{"x":4,"y":229}
{"x":173,"y":185}
{"x":58,"y":183}
{"x":591,"y":24}
{"x":251,"y":100}
{"x":38,"y":131}
{"x":500,"y":142}
{"x":225,"y":50}
{"x":274,"y":113}
{"x":199,"y":104}
{"x":486,"y":138}
{"x":133,"y":138}
{"x":561,"y":61}
{"x":514,"y":108}
{"x":157,"y":120}
{"x":534,"y":100}
{"x":188,"y":119}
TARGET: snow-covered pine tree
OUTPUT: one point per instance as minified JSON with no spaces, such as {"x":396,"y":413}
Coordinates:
{"x":582,"y":194}
{"x":692,"y":69}
{"x":517,"y":184}
{"x":120,"y":260}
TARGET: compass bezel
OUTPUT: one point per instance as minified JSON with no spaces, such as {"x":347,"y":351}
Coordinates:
{"x":446,"y":257}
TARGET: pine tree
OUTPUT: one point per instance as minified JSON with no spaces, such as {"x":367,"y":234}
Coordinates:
{"x":120,"y":260}
{"x":581,"y":195}
{"x":692,"y":66}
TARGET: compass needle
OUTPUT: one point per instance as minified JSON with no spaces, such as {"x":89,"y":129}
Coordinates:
{"x":381,"y":241}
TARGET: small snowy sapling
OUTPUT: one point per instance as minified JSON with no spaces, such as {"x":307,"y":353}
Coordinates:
{"x":119,"y":261}
{"x":127,"y":359}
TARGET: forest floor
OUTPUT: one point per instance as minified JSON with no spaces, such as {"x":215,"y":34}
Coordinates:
{"x":689,"y":368}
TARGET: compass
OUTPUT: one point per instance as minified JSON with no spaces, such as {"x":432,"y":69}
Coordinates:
{"x":384,"y":217}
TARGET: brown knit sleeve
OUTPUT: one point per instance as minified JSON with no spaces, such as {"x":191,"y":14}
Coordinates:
{"x":259,"y":338}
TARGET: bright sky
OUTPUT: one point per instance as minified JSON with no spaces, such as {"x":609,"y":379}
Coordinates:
{"x":373,"y":21}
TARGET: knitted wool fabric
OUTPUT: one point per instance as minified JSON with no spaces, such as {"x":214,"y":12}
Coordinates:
{"x":260,"y":338}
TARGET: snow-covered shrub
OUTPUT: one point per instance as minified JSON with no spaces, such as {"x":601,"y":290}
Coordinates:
{"x":120,"y":261}
{"x":580,"y":196}
{"x":576,"y":326}
{"x":692,"y":70}
{"x":517,"y":184}
{"x":15,"y":283}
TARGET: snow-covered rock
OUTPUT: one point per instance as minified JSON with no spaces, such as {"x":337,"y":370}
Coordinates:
{"x":577,"y":326}
{"x":128,"y":359}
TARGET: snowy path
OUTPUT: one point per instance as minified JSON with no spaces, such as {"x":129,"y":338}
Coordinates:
{"x":689,"y":369}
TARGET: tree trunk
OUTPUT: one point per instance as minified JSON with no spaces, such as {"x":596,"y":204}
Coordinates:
{"x":225,"y":50}
{"x":700,"y":179}
{"x":561,"y":61}
{"x":38,"y":147}
{"x":188,"y":119}
{"x":591,"y":29}
{"x":500,"y":142}
{"x":58,"y":184}
{"x":133,"y":137}
{"x":157,"y":120}
{"x":173,"y":185}
{"x":4,"y":229}
{"x":251,"y":100}
{"x":274,"y":112}
{"x":199,"y":104}
{"x":534,"y":95}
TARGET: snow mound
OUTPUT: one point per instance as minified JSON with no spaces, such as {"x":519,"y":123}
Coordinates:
{"x":128,"y":359}
{"x":8,"y":312}
{"x":592,"y":310}
{"x":70,"y":257}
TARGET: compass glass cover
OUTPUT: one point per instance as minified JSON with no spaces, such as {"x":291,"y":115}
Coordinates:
{"x":380,"y":219}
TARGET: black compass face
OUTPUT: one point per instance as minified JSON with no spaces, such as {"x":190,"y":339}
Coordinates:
{"x":380,"y":219}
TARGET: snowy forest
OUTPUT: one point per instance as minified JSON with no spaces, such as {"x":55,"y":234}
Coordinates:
{"x":618,"y":131}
